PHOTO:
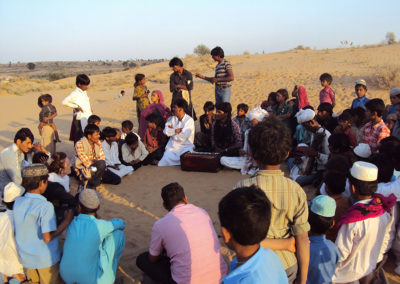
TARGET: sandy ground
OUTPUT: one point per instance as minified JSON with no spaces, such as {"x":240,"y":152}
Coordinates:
{"x":137,"y":199}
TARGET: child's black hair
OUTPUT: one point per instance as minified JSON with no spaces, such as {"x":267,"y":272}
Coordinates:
{"x":319,"y":224}
{"x":335,"y":181}
{"x":340,"y":142}
{"x":138,"y":77}
{"x":37,"y":157}
{"x":175,"y":62}
{"x":338,"y":163}
{"x":346,"y":116}
{"x":270,"y":142}
{"x":82,"y":79}
{"x":127,"y":124}
{"x":272,"y":97}
{"x":90,"y":129}
{"x":326,"y":77}
{"x":384,"y":165}
{"x":243,"y":107}
{"x":364,"y":188}
{"x":284,"y":93}
{"x":94,"y":119}
{"x":131,"y":139}
{"x":108,"y":132}
{"x":376,"y":105}
{"x":208,"y":106}
{"x":46,"y":97}
{"x":217,"y":51}
{"x":152,"y":117}
{"x":246,"y":213}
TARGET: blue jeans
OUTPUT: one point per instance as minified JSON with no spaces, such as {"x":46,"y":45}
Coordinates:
{"x":223,"y":95}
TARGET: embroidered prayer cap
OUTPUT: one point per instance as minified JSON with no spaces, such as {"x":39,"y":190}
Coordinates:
{"x":361,"y":82}
{"x":258,"y":113}
{"x":395,"y":91}
{"x":305,"y":115}
{"x":323,"y":205}
{"x":364,"y":171}
{"x":35,"y":170}
{"x":363,"y":150}
{"x":89,"y":198}
{"x":12,"y":191}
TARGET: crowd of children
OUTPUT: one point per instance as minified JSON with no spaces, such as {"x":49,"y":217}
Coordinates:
{"x":343,"y":235}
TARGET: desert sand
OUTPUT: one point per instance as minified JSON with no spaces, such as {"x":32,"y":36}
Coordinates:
{"x":137,"y":199}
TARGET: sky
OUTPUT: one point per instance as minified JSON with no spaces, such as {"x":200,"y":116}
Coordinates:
{"x":66,"y":30}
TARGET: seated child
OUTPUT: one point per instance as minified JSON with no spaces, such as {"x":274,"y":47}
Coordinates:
{"x":335,"y":184}
{"x":358,"y":122}
{"x":134,"y":152}
{"x":339,"y":145}
{"x":394,"y":100}
{"x":202,"y":140}
{"x":94,"y":119}
{"x":154,"y":139}
{"x":245,"y":216}
{"x":327,"y":95}
{"x":47,"y":114}
{"x":344,"y":126}
{"x":362,"y":228}
{"x":241,"y":119}
{"x":282,"y":110}
{"x":110,"y":149}
{"x":324,"y":255}
{"x":325,"y":117}
{"x":391,"y":121}
{"x":361,"y":90}
{"x":269,"y":103}
{"x":337,"y":164}
{"x":127,"y":127}
{"x":10,"y":264}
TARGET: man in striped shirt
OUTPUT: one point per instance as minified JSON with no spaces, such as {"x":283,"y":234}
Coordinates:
{"x":223,"y":76}
{"x":270,"y":143}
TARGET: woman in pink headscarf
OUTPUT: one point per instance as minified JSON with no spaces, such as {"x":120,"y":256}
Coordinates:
{"x":300,"y":93}
{"x":157,"y":107}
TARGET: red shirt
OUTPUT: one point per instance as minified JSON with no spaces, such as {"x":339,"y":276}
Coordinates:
{"x":373,"y":134}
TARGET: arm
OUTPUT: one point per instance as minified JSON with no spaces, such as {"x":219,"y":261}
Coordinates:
{"x":303,"y":256}
{"x":49,"y":236}
{"x":126,"y":154}
{"x":169,"y":129}
{"x":71,"y":101}
{"x":82,"y":155}
{"x":45,"y":119}
{"x":228,"y":78}
{"x":280,"y":244}
{"x":156,"y":244}
{"x":143,"y":151}
{"x":187,"y":130}
{"x":208,"y":79}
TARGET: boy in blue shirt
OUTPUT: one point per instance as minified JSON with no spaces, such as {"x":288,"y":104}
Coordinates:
{"x":245,"y":215}
{"x":360,"y":90}
{"x":324,"y":254}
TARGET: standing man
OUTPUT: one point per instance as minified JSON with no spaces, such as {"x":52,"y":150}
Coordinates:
{"x":223,"y":76}
{"x":181,"y":84}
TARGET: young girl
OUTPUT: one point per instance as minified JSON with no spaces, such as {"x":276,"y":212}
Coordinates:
{"x":140,"y":94}
{"x":154,"y":139}
{"x":47,"y":114}
{"x":282,"y":110}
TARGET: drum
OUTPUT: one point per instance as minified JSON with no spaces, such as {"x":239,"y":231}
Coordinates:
{"x":201,"y":162}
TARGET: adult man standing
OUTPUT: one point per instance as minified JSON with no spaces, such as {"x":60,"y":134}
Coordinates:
{"x":223,"y":76}
{"x":180,"y":129}
{"x":192,"y":252}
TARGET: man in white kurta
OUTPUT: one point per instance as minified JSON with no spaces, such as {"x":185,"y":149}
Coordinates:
{"x":112,"y":161}
{"x":180,"y":130}
{"x":80,"y":101}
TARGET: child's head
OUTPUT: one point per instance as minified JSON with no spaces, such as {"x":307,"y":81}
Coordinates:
{"x":11,"y":192}
{"x":375,"y":109}
{"x":118,"y":136}
{"x":358,"y":116}
{"x":94,"y":119}
{"x":209,"y":107}
{"x":326,"y":79}
{"x":338,"y":143}
{"x":245,"y":216}
{"x":82,"y":82}
{"x":388,"y":145}
{"x":34,"y":177}
{"x":109,"y":134}
{"x":360,"y":88}
{"x":345,"y":119}
{"x":322,"y":213}
{"x":122,"y":92}
{"x":335,"y":182}
{"x":40,"y":158}
{"x":272,"y":99}
{"x":132,"y":141}
{"x":363,"y":179}
{"x":127,"y":126}
{"x":384,"y":165}
{"x":282,"y":95}
{"x":270,"y":142}
{"x":325,"y":111}
{"x":394,"y":96}
{"x":242,"y":109}
{"x":153,"y":121}
{"x":44,"y":100}
{"x":391,"y":119}
{"x":140,"y":79}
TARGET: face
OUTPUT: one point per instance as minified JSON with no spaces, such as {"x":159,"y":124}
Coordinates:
{"x":83,"y":87}
{"x":152,"y":125}
{"x":176,"y":68}
{"x":143,"y":81}
{"x":177,"y":110}
{"x":324,"y":83}
{"x":24,"y":146}
{"x":322,"y":114}
{"x":210,"y":112}
{"x":394,"y":100}
{"x":215,"y":58}
{"x":42,"y":187}
{"x":123,"y":93}
{"x":134,"y":146}
{"x":311,"y":125}
{"x":154,"y":97}
{"x":125,"y":130}
{"x":44,"y":102}
{"x":241,"y":112}
{"x":97,"y":123}
{"x":67,"y":167}
{"x":118,"y":136}
{"x":254,"y":122}
{"x":390,"y":124}
{"x":220,"y":115}
{"x":279,"y":98}
{"x":344,"y":124}
{"x":94,"y":137}
{"x":360,"y":91}
{"x":370,"y":115}
{"x":111,"y":139}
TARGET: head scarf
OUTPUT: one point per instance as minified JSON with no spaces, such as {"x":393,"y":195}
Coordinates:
{"x":302,"y":97}
{"x":160,"y":96}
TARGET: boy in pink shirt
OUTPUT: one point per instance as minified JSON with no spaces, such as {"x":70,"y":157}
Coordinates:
{"x":186,"y":234}
{"x":327,"y":95}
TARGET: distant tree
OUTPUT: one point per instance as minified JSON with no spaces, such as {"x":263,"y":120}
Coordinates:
{"x":30,"y":66}
{"x":132,"y":64}
{"x":390,"y":38}
{"x":125,"y":63}
{"x":201,"y":49}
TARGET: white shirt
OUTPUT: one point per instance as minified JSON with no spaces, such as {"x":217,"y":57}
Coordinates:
{"x":140,"y":153}
{"x":111,"y":153}
{"x":360,"y":244}
{"x":64,"y":181}
{"x":79,"y":98}
{"x":11,"y":164}
{"x":324,"y":154}
{"x":9,"y":260}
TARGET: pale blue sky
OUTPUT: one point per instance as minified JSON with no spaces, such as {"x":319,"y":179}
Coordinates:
{"x":47,"y":30}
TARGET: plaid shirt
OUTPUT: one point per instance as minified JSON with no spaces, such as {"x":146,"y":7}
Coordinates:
{"x":88,"y":158}
{"x":373,"y":134}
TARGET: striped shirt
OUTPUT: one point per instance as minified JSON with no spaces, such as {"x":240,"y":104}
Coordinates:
{"x":221,"y":71}
{"x":373,"y":134}
{"x":289,"y":210}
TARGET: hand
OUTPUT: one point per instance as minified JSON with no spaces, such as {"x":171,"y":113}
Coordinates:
{"x":79,"y":109}
{"x":45,"y":119}
{"x":116,"y":167}
{"x":198,"y":75}
{"x":178,"y":130}
{"x":169,"y":125}
{"x":43,"y":160}
{"x":291,"y":244}
{"x":87,"y":173}
{"x":38,"y":147}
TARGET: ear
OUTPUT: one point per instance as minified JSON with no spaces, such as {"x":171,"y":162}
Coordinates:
{"x":226,"y":235}
{"x":185,"y":200}
{"x":352,"y":189}
{"x":332,"y":225}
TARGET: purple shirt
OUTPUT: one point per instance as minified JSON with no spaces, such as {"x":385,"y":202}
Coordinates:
{"x":188,"y":236}
{"x":327,"y":95}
